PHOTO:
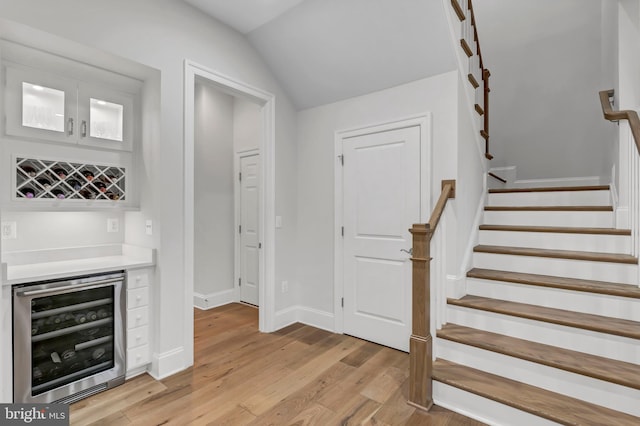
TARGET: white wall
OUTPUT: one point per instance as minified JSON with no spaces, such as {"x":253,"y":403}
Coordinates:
{"x":629,"y":54}
{"x":316,"y":132}
{"x":213,"y":195}
{"x":161,"y":34}
{"x":247,"y":125}
{"x":39,"y":231}
{"x":545,"y":60}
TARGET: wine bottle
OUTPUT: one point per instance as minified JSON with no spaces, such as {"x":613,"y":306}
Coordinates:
{"x":92,"y":316}
{"x":30,"y":171}
{"x":102,"y":313}
{"x":101,"y":186}
{"x":68,"y":355}
{"x":81,"y":318}
{"x":98,"y":352}
{"x":61,"y":173}
{"x":74,"y":184}
{"x":46,"y":183}
{"x":59,"y":193}
{"x":87,"y":195}
{"x":28,"y":192}
{"x":88,"y":175}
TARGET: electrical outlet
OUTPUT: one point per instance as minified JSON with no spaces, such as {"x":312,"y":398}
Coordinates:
{"x":148,"y":227}
{"x":285,"y":286}
{"x":113,"y":225}
{"x":9,"y":230}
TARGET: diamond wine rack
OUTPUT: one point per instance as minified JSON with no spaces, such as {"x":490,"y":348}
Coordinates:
{"x":44,"y":179}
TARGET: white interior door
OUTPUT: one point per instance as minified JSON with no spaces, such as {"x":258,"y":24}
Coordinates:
{"x":381,"y":190}
{"x":249,"y":209}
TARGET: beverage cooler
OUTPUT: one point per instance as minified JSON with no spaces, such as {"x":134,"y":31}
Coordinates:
{"x":68,"y":338}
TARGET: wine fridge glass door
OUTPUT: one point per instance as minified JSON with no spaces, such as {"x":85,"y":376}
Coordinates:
{"x":65,"y":337}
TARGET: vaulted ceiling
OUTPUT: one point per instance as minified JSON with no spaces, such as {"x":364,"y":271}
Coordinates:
{"x":323,"y":51}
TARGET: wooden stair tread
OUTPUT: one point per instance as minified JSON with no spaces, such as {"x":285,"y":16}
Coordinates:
{"x":558,"y":254}
{"x":597,"y":323}
{"x":549,"y":208}
{"x":556,"y":229}
{"x":575,"y":284}
{"x":551,"y":189}
{"x":537,"y":401}
{"x":597,"y":367}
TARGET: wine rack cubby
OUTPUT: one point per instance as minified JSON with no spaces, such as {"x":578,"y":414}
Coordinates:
{"x":52,"y":180}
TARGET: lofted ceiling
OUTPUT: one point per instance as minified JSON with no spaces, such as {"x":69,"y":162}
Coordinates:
{"x":323,"y":51}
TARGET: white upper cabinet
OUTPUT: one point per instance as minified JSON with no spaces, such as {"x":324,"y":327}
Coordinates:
{"x":43,"y":106}
{"x":106,"y":118}
{"x":40,"y":105}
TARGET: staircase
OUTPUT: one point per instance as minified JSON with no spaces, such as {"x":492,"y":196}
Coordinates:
{"x":549,"y":331}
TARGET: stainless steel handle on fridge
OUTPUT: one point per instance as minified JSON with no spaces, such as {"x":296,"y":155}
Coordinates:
{"x":83,"y":286}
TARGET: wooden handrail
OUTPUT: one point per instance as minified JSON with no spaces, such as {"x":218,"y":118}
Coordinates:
{"x":485,"y":74}
{"x":421,"y":342}
{"x":493,"y":175}
{"x":629,"y":115}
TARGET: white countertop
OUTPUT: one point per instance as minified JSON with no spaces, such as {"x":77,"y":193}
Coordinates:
{"x":24,"y":271}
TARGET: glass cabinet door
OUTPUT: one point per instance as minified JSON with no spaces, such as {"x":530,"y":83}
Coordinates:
{"x":40,"y":105}
{"x":106,"y":118}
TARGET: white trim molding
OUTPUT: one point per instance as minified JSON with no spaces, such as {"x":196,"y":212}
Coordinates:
{"x":167,"y":363}
{"x":309,"y":316}
{"x":233,"y":87}
{"x":213,"y":300}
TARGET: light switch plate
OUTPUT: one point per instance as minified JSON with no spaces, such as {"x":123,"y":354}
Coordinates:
{"x":9,"y":230}
{"x":148,"y":227}
{"x":113,"y":225}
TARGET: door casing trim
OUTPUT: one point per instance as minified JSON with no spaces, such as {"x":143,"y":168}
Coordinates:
{"x":234,"y":87}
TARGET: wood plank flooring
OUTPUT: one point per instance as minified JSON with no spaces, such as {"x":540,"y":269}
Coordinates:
{"x":297,"y":376}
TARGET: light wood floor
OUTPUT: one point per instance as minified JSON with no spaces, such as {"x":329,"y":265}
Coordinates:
{"x":297,"y":376}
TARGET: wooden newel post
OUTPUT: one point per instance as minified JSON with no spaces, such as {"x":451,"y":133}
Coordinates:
{"x":420,"y":344}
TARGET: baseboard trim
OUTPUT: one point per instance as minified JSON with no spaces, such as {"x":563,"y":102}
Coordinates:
{"x":305,"y":315}
{"x":213,"y":300}
{"x":167,"y":363}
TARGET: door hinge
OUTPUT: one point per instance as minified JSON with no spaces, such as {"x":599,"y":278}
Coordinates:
{"x":259,"y":245}
{"x":240,"y":176}
{"x":342,"y":302}
{"x":239,"y":282}
{"x":342,"y":231}
{"x":239,"y":229}
{"x":341,"y":157}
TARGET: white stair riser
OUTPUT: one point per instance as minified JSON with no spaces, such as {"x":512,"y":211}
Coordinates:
{"x":576,"y":339}
{"x":610,"y":395}
{"x":483,"y":409}
{"x":588,"y":219}
{"x":560,"y":198}
{"x":570,"y":268}
{"x":590,"y":303}
{"x":558,"y":241}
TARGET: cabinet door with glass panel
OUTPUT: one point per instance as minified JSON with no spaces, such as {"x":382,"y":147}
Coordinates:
{"x":40,"y":105}
{"x":44,"y":106}
{"x":106,"y":117}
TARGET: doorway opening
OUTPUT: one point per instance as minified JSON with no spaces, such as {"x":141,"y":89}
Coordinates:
{"x":229,"y":126}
